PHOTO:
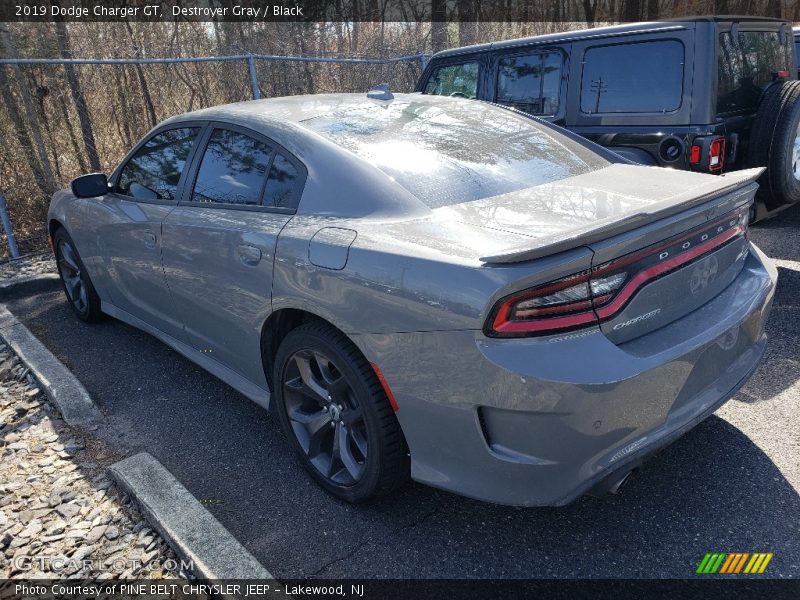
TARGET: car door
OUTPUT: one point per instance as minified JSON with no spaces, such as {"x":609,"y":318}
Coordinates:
{"x":219,"y":243}
{"x":144,"y":189}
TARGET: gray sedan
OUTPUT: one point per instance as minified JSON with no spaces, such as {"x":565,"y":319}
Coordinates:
{"x":429,"y":287}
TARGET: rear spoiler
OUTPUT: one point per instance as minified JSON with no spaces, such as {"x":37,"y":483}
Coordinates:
{"x":743,"y":181}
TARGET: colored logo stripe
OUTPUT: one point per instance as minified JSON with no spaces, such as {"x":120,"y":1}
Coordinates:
{"x":734,"y":562}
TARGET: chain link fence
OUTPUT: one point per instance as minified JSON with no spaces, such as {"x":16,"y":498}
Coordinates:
{"x":43,"y":123}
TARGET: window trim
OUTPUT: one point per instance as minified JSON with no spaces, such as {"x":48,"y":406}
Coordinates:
{"x":117,"y":173}
{"x":194,"y":169}
{"x":529,"y":52}
{"x":673,"y":111}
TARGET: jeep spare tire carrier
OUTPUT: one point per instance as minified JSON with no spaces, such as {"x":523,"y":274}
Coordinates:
{"x":775,"y":144}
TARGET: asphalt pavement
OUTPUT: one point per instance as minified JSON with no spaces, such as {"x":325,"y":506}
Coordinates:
{"x":729,"y":485}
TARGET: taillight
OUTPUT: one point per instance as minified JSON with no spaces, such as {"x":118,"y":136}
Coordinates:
{"x":716,"y":154}
{"x":597,"y":294}
{"x":694,"y":155}
{"x":708,"y":153}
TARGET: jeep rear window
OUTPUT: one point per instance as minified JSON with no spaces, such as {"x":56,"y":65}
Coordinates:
{"x":450,"y":152}
{"x":747,"y":65}
{"x":645,"y":77}
{"x":459,"y":80}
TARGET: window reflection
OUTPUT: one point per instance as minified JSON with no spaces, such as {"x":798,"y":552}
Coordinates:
{"x":633,"y":78}
{"x":454,"y":80}
{"x":155,"y":170}
{"x":530,"y":83}
{"x":457,"y":151}
{"x":282,"y":183}
{"x":233,"y":169}
{"x":746,"y":66}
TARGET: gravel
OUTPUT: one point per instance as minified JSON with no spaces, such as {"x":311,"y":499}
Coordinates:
{"x":36,"y":264}
{"x":60,"y":515}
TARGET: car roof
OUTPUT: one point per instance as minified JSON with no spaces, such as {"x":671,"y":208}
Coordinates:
{"x":285,"y":109}
{"x":601,"y":32}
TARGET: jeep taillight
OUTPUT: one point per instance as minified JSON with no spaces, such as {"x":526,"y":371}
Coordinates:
{"x":708,"y":153}
{"x":600,"y":293}
{"x":716,"y":154}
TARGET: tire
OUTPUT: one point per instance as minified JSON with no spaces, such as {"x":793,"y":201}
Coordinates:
{"x":75,"y":281}
{"x":325,"y":390}
{"x":775,"y":144}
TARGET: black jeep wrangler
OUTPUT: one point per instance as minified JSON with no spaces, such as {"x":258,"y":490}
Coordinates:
{"x":707,"y":94}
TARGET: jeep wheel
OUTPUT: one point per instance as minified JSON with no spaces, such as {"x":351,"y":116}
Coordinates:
{"x":775,"y":144}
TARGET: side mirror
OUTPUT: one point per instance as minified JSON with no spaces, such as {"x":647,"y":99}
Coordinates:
{"x":90,"y":186}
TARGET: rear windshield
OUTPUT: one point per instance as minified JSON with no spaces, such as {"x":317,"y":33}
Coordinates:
{"x":456,"y":151}
{"x":747,"y":64}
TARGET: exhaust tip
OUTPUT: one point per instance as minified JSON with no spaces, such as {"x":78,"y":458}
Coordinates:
{"x":616,"y":486}
{"x":613,"y":484}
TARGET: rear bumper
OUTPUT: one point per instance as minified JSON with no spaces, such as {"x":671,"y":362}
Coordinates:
{"x":540,"y":421}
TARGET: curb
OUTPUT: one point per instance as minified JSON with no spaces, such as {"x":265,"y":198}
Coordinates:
{"x":25,"y":286}
{"x":59,"y":384}
{"x":192,"y":531}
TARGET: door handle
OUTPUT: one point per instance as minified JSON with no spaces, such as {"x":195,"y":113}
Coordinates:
{"x":149,"y":239}
{"x":249,"y":255}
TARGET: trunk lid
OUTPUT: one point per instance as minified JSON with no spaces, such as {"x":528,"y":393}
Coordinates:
{"x":662,"y":245}
{"x":589,"y":208}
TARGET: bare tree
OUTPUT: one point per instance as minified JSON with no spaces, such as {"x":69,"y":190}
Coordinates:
{"x":46,"y":168}
{"x":21,"y":133}
{"x":64,"y":48}
{"x":438,"y":25}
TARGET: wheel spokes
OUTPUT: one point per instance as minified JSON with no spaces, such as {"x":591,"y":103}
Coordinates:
{"x":325,"y":416}
{"x":345,"y":453}
{"x":316,"y":427}
{"x":312,"y":387}
{"x":69,"y":258}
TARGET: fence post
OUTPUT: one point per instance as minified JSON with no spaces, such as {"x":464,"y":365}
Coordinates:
{"x":12,"y":243}
{"x":251,"y":64}
{"x":423,"y":60}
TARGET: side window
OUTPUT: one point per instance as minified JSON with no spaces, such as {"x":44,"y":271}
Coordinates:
{"x":746,"y":66}
{"x":454,"y":80}
{"x":154,"y":171}
{"x":282,"y":185}
{"x":633,"y":78}
{"x":233,"y":169}
{"x":531,"y":83}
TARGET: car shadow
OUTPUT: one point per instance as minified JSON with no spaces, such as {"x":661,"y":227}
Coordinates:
{"x":712,"y":490}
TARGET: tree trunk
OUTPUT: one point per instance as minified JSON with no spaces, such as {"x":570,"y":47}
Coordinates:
{"x":438,"y":25}
{"x":631,"y":10}
{"x":773,"y":9}
{"x":64,"y":48}
{"x":148,"y":100}
{"x":21,"y":133}
{"x":48,"y":180}
{"x":76,"y":148}
{"x":467,"y":25}
{"x":589,"y":10}
{"x":652,"y":10}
